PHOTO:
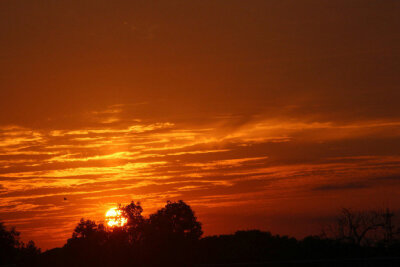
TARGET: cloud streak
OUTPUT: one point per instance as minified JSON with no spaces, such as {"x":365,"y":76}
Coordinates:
{"x":209,"y":166}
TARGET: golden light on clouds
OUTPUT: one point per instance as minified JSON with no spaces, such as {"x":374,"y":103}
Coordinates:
{"x":258,"y":162}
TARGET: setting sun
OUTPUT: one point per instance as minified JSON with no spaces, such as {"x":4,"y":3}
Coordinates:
{"x":199,"y":133}
{"x":115,"y":218}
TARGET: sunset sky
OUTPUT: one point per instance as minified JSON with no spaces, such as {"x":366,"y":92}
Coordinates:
{"x":268,"y":114}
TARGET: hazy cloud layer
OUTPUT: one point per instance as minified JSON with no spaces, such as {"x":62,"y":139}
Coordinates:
{"x":259,"y":162}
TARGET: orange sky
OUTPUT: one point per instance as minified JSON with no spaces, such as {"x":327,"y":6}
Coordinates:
{"x":259,"y":114}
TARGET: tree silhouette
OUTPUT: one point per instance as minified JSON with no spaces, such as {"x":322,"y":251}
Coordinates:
{"x":135,"y":223}
{"x":172,"y":234}
{"x":86,"y":244}
{"x":363,"y":227}
{"x":176,"y":220}
{"x":85,"y":229}
{"x":165,"y":237}
{"x":29,"y":254}
{"x":12,"y":250}
{"x":9,"y":244}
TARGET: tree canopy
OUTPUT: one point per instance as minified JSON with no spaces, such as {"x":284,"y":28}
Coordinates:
{"x":172,"y":236}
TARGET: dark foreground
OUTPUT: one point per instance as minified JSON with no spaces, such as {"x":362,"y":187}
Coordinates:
{"x":244,"y":248}
{"x":172,"y":237}
{"x":366,"y":262}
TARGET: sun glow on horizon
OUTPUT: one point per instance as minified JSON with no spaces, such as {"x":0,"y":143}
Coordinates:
{"x":114,"y":218}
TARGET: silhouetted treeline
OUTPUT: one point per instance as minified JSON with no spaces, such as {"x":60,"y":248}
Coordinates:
{"x":257,"y":246}
{"x":168,"y":237}
{"x":172,"y":237}
{"x":14,"y":251}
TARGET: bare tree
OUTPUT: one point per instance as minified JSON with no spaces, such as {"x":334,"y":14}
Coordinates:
{"x":363,"y":227}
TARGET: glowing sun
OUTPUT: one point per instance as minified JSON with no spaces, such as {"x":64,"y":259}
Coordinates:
{"x":114,"y":218}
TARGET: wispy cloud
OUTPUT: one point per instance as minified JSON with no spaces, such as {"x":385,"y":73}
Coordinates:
{"x":222,"y":164}
{"x":330,"y":187}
